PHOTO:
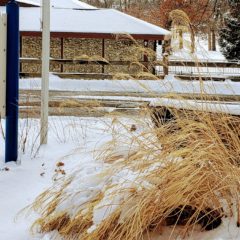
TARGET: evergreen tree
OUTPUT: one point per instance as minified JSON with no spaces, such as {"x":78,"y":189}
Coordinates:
{"x":229,"y":35}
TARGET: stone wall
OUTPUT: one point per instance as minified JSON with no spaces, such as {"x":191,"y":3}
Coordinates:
{"x":74,"y":48}
{"x":31,"y":48}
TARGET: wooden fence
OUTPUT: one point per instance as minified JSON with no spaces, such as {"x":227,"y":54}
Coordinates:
{"x":189,"y":70}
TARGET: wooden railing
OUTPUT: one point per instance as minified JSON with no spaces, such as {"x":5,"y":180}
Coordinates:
{"x":232,"y":68}
{"x":155,"y":63}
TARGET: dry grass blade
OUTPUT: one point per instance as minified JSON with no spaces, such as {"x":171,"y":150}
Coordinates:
{"x":184,"y":171}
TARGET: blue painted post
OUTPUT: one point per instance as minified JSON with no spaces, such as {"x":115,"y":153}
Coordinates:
{"x":12,"y":83}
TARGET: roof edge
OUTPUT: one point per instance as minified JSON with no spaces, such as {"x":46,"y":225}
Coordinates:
{"x":94,"y":35}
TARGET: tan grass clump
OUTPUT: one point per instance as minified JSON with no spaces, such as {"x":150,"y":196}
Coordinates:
{"x":122,"y":76}
{"x":179,"y":18}
{"x":146,"y":76}
{"x":181,"y":22}
{"x":94,"y":58}
{"x":186,"y":172}
{"x":70,"y":103}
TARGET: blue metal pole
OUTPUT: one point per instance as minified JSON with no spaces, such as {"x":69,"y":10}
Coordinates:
{"x":12,"y":83}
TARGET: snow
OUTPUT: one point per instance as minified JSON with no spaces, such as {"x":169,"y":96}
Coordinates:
{"x":169,"y":85}
{"x":68,"y":137}
{"x":61,"y":4}
{"x":152,"y":89}
{"x":33,"y":3}
{"x":108,"y":21}
{"x":73,"y":141}
{"x":229,"y":108}
{"x":201,"y":52}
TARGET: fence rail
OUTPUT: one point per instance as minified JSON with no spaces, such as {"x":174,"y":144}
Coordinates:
{"x":98,"y":103}
{"x":188,"y":70}
{"x":155,"y":63}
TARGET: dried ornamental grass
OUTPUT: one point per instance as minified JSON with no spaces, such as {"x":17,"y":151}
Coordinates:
{"x":122,"y":76}
{"x":180,"y":172}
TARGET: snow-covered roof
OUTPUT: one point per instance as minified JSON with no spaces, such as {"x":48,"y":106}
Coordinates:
{"x":107,"y":21}
{"x":60,"y":4}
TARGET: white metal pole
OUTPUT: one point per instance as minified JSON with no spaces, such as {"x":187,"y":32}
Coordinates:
{"x":45,"y":70}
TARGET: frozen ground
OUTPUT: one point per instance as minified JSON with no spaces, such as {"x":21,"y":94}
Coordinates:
{"x":73,"y":141}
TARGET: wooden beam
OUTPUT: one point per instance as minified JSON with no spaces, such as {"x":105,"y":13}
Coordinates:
{"x":62,"y":52}
{"x":93,"y":76}
{"x":93,"y":35}
{"x":155,"y":63}
{"x":155,"y":50}
{"x":204,"y":64}
{"x":103,"y":54}
{"x":145,"y":56}
{"x":21,"y":44}
{"x":77,"y":61}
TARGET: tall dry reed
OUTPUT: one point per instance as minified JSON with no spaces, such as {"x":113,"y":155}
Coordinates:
{"x":186,"y":172}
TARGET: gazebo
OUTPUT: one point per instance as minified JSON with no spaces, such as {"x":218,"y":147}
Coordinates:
{"x":79,"y":31}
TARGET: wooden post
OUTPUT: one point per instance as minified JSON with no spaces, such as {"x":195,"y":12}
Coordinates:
{"x":180,"y":39}
{"x":103,"y":54}
{"x":62,"y":53}
{"x":21,"y":42}
{"x":165,"y":64}
{"x":155,"y":57}
{"x":166,"y":51}
{"x":45,"y":70}
{"x":145,"y":56}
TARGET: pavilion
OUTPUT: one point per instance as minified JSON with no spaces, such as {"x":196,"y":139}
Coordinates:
{"x":79,"y":29}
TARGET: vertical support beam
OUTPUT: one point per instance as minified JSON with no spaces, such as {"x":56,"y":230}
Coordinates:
{"x":180,"y":39}
{"x":165,"y":64}
{"x":145,"y":56}
{"x":3,"y":58}
{"x":21,"y":52}
{"x":45,"y":70}
{"x":12,"y":84}
{"x":62,"y":52}
{"x":103,"y":54}
{"x":155,"y":57}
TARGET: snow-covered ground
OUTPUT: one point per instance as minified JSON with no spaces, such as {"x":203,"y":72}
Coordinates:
{"x":201,"y":51}
{"x":73,"y":141}
{"x":201,"y":54}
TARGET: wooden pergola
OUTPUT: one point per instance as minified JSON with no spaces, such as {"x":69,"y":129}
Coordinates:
{"x":87,"y":23}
